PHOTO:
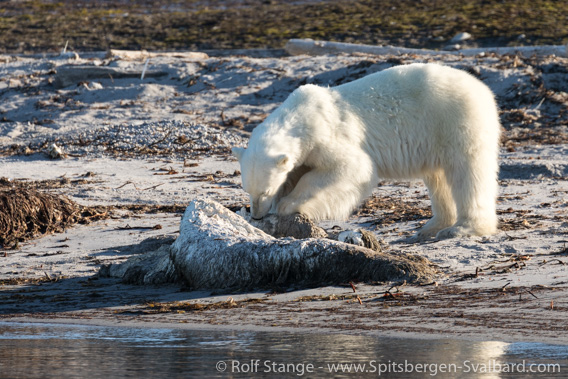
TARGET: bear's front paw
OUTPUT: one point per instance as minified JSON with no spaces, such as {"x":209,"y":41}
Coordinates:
{"x":287,"y":207}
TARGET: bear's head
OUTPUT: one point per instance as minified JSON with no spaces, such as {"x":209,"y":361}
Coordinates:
{"x":263,"y":175}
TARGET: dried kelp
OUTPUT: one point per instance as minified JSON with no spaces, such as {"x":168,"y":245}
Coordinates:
{"x":26,"y":213}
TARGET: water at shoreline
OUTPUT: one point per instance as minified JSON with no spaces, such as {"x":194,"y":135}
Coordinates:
{"x":51,"y":350}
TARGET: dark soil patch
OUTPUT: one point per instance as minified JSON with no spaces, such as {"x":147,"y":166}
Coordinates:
{"x":38,"y":26}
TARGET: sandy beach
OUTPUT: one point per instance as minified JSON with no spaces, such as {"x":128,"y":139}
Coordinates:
{"x":141,"y":137}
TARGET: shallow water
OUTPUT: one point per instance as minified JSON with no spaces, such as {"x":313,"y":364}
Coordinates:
{"x":50,"y":350}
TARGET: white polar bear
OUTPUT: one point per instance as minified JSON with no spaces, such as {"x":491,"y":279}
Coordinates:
{"x":324,"y":149}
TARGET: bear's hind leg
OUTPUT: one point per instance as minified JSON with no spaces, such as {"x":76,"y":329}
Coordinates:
{"x":443,"y":206}
{"x":474,"y":188}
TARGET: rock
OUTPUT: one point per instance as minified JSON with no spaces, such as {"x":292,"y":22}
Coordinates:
{"x":460,"y":37}
{"x":297,"y":226}
{"x":220,"y":249}
{"x":452,"y":47}
{"x":360,"y":237}
{"x":95,"y":86}
{"x":351,"y":236}
{"x":370,"y":241}
{"x":55,"y":152}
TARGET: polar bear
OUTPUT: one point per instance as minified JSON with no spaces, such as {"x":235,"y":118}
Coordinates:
{"x":323,"y":150}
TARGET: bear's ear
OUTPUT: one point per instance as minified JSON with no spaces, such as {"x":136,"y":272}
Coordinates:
{"x":282,"y":160}
{"x":238,"y":152}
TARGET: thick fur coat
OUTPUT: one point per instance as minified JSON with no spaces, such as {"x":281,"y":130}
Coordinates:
{"x":323,"y":150}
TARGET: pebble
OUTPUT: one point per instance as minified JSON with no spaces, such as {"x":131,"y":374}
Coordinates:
{"x":55,"y":152}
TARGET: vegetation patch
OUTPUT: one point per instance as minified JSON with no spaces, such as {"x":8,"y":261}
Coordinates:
{"x":38,"y":26}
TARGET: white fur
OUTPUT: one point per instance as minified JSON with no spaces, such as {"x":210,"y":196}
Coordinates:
{"x":324,"y":149}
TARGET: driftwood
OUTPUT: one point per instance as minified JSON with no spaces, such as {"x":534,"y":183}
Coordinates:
{"x":143,"y":55}
{"x":219,"y":249}
{"x":311,"y":47}
{"x":73,"y":74}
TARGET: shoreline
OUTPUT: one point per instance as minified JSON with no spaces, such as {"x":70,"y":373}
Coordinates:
{"x":99,"y":322}
{"x":508,"y":315}
{"x":477,"y":335}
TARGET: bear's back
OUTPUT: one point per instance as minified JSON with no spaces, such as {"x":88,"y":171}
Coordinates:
{"x":414,"y":80}
{"x":412,"y":114}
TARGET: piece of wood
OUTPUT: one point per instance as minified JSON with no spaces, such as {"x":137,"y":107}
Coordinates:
{"x":311,"y":47}
{"x":142,"y":55}
{"x":526,"y":51}
{"x":73,"y":74}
